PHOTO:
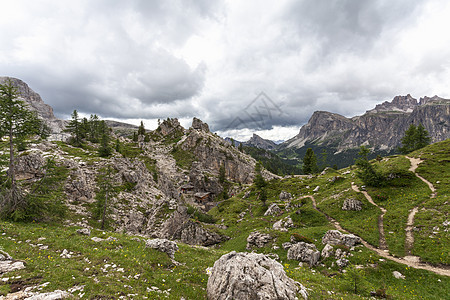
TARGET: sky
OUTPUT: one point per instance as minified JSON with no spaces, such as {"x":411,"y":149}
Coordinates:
{"x":243,"y":67}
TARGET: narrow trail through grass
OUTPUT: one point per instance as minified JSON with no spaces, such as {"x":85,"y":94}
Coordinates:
{"x":407,"y":260}
{"x":382,"y":241}
{"x":409,"y":240}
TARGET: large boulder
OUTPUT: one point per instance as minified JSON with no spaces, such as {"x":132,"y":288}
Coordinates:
{"x":352,"y":204}
{"x":251,"y":276}
{"x":193,"y":233}
{"x":258,"y":240}
{"x":163,"y":245}
{"x":335,"y":237}
{"x":8,"y":264}
{"x":29,"y":166}
{"x":304,"y":252}
{"x":200,"y":125}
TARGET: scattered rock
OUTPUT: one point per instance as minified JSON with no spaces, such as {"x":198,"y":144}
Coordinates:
{"x":10,"y":265}
{"x":286,"y":245}
{"x":398,"y":275}
{"x":84,"y":231}
{"x":97,"y":239}
{"x":327,"y":251}
{"x":56,"y":295}
{"x":163,"y":245}
{"x":65,"y":254}
{"x":283,"y":224}
{"x":285,"y":196}
{"x":251,"y":276}
{"x":273,"y":210}
{"x":304,"y":252}
{"x":352,"y":204}
{"x":342,"y":263}
{"x":258,"y":240}
{"x":316,"y":189}
{"x":335,"y":237}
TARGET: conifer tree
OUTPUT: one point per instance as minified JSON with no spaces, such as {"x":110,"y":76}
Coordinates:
{"x":17,"y":123}
{"x":310,"y":162}
{"x":75,"y":128}
{"x":415,"y":138}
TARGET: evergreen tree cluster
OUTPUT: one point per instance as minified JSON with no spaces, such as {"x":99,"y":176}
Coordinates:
{"x":93,"y":130}
{"x":416,"y":137}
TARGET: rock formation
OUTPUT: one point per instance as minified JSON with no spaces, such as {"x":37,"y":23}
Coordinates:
{"x":258,"y":240}
{"x":304,"y":252}
{"x":352,"y":204}
{"x":335,"y":237}
{"x":251,"y":276}
{"x":163,"y":245}
{"x":259,"y":142}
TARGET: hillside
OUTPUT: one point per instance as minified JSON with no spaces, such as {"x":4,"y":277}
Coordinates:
{"x":111,"y":264}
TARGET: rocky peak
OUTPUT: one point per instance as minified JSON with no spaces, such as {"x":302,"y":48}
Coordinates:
{"x":169,"y":126}
{"x":399,"y":104}
{"x":429,"y":100}
{"x":200,"y":125}
{"x":32,"y":98}
{"x":36,"y":104}
{"x":259,"y":142}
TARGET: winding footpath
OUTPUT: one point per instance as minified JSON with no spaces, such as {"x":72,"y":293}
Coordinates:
{"x":412,"y":262}
{"x":409,"y":240}
{"x":382,"y":239}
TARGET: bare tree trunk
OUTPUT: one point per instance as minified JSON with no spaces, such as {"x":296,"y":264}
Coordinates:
{"x":12,"y":171}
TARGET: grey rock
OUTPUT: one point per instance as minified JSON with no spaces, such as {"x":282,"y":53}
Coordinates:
{"x":273,"y":210}
{"x":84,"y":231}
{"x":200,"y":125}
{"x":352,"y":204}
{"x":283,"y":224}
{"x":259,"y":142}
{"x":251,"y":276}
{"x":304,"y":252}
{"x":285,"y":196}
{"x":335,"y":237}
{"x":398,"y":275}
{"x":10,"y":265}
{"x":56,"y":295}
{"x":342,"y":262}
{"x":327,"y":251}
{"x":29,"y":166}
{"x":316,"y":189}
{"x":286,"y":245}
{"x":163,"y":245}
{"x":258,"y":240}
{"x":193,"y":233}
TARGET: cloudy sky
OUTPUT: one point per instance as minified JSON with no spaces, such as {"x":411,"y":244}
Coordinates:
{"x":242,"y":66}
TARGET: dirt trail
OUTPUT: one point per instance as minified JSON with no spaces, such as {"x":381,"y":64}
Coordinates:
{"x":382,"y":240}
{"x":410,"y":261}
{"x":409,"y":240}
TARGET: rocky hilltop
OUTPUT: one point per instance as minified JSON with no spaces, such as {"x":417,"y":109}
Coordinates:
{"x":380,"y":128}
{"x":259,"y":142}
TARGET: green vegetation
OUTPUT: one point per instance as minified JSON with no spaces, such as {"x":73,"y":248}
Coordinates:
{"x":310,"y":162}
{"x":272,"y":161}
{"x":415,"y":138}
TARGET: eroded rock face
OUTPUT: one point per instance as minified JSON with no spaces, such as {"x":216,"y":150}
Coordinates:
{"x":29,"y":166}
{"x":199,"y":124}
{"x":193,"y":233}
{"x":335,"y":237}
{"x":258,"y":240}
{"x":163,"y":245}
{"x":352,"y":204}
{"x":304,"y":252}
{"x":251,"y":276}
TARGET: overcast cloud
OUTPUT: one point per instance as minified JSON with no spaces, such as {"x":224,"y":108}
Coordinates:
{"x":145,"y":60}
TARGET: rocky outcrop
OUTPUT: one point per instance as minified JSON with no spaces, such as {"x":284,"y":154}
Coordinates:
{"x":285,"y":196}
{"x":273,"y":210}
{"x":163,"y":245}
{"x":193,"y":233}
{"x":29,"y":166}
{"x":304,"y":252}
{"x":352,"y":204}
{"x":257,"y":239}
{"x":8,"y":264}
{"x":335,"y":237}
{"x":200,"y":125}
{"x":283,"y":224}
{"x":327,"y":251}
{"x":251,"y":276}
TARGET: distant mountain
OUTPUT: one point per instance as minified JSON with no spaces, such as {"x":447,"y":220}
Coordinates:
{"x":381,"y":128}
{"x":259,"y":142}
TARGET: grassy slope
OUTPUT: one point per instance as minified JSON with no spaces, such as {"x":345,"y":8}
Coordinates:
{"x":189,"y":280}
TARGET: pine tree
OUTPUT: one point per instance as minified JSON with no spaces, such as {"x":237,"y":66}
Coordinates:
{"x":75,"y":128}
{"x":414,"y":139}
{"x":105,"y":149}
{"x":17,"y":123}
{"x":310,"y":162}
{"x":222,"y":176}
